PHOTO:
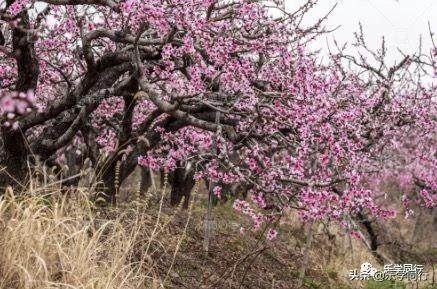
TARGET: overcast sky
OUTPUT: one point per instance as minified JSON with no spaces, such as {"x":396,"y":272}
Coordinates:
{"x":400,"y":21}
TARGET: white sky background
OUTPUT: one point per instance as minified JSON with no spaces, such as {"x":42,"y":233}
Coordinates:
{"x":400,"y":21}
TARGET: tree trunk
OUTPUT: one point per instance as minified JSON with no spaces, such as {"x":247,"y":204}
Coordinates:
{"x":182,"y":182}
{"x":13,"y":157}
{"x":107,"y":189}
{"x":146,"y":181}
{"x":111,"y":180}
{"x":13,"y":148}
{"x":74,"y":163}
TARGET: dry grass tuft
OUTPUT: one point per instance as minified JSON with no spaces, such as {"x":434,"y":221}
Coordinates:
{"x":60,"y":242}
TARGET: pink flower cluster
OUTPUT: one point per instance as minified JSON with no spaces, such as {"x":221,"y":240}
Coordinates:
{"x":14,"y":104}
{"x":245,"y":208}
{"x":428,"y":198}
{"x":17,"y":6}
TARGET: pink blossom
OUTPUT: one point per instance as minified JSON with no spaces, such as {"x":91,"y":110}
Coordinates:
{"x":272,"y":234}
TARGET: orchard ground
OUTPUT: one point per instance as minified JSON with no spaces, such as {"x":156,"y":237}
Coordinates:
{"x":53,"y":240}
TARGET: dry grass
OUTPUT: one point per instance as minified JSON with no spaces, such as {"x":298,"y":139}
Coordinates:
{"x":48,"y":242}
{"x":50,"y":239}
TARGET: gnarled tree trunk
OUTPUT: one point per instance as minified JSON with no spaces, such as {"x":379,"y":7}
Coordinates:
{"x":13,"y":150}
{"x":182,"y":182}
{"x":13,"y":157}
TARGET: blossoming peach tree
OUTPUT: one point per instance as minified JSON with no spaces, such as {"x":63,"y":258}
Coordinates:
{"x":232,"y":87}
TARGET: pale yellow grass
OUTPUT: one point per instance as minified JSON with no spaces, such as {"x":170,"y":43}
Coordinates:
{"x":61,"y":243}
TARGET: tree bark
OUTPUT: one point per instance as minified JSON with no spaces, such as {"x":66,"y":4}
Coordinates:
{"x":74,"y":163}
{"x":182,"y":182}
{"x":146,"y":181}
{"x":13,"y":150}
{"x":108,"y":190}
{"x":13,"y":156}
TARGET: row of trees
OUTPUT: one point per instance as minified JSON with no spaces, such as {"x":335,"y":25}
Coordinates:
{"x":223,"y":86}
